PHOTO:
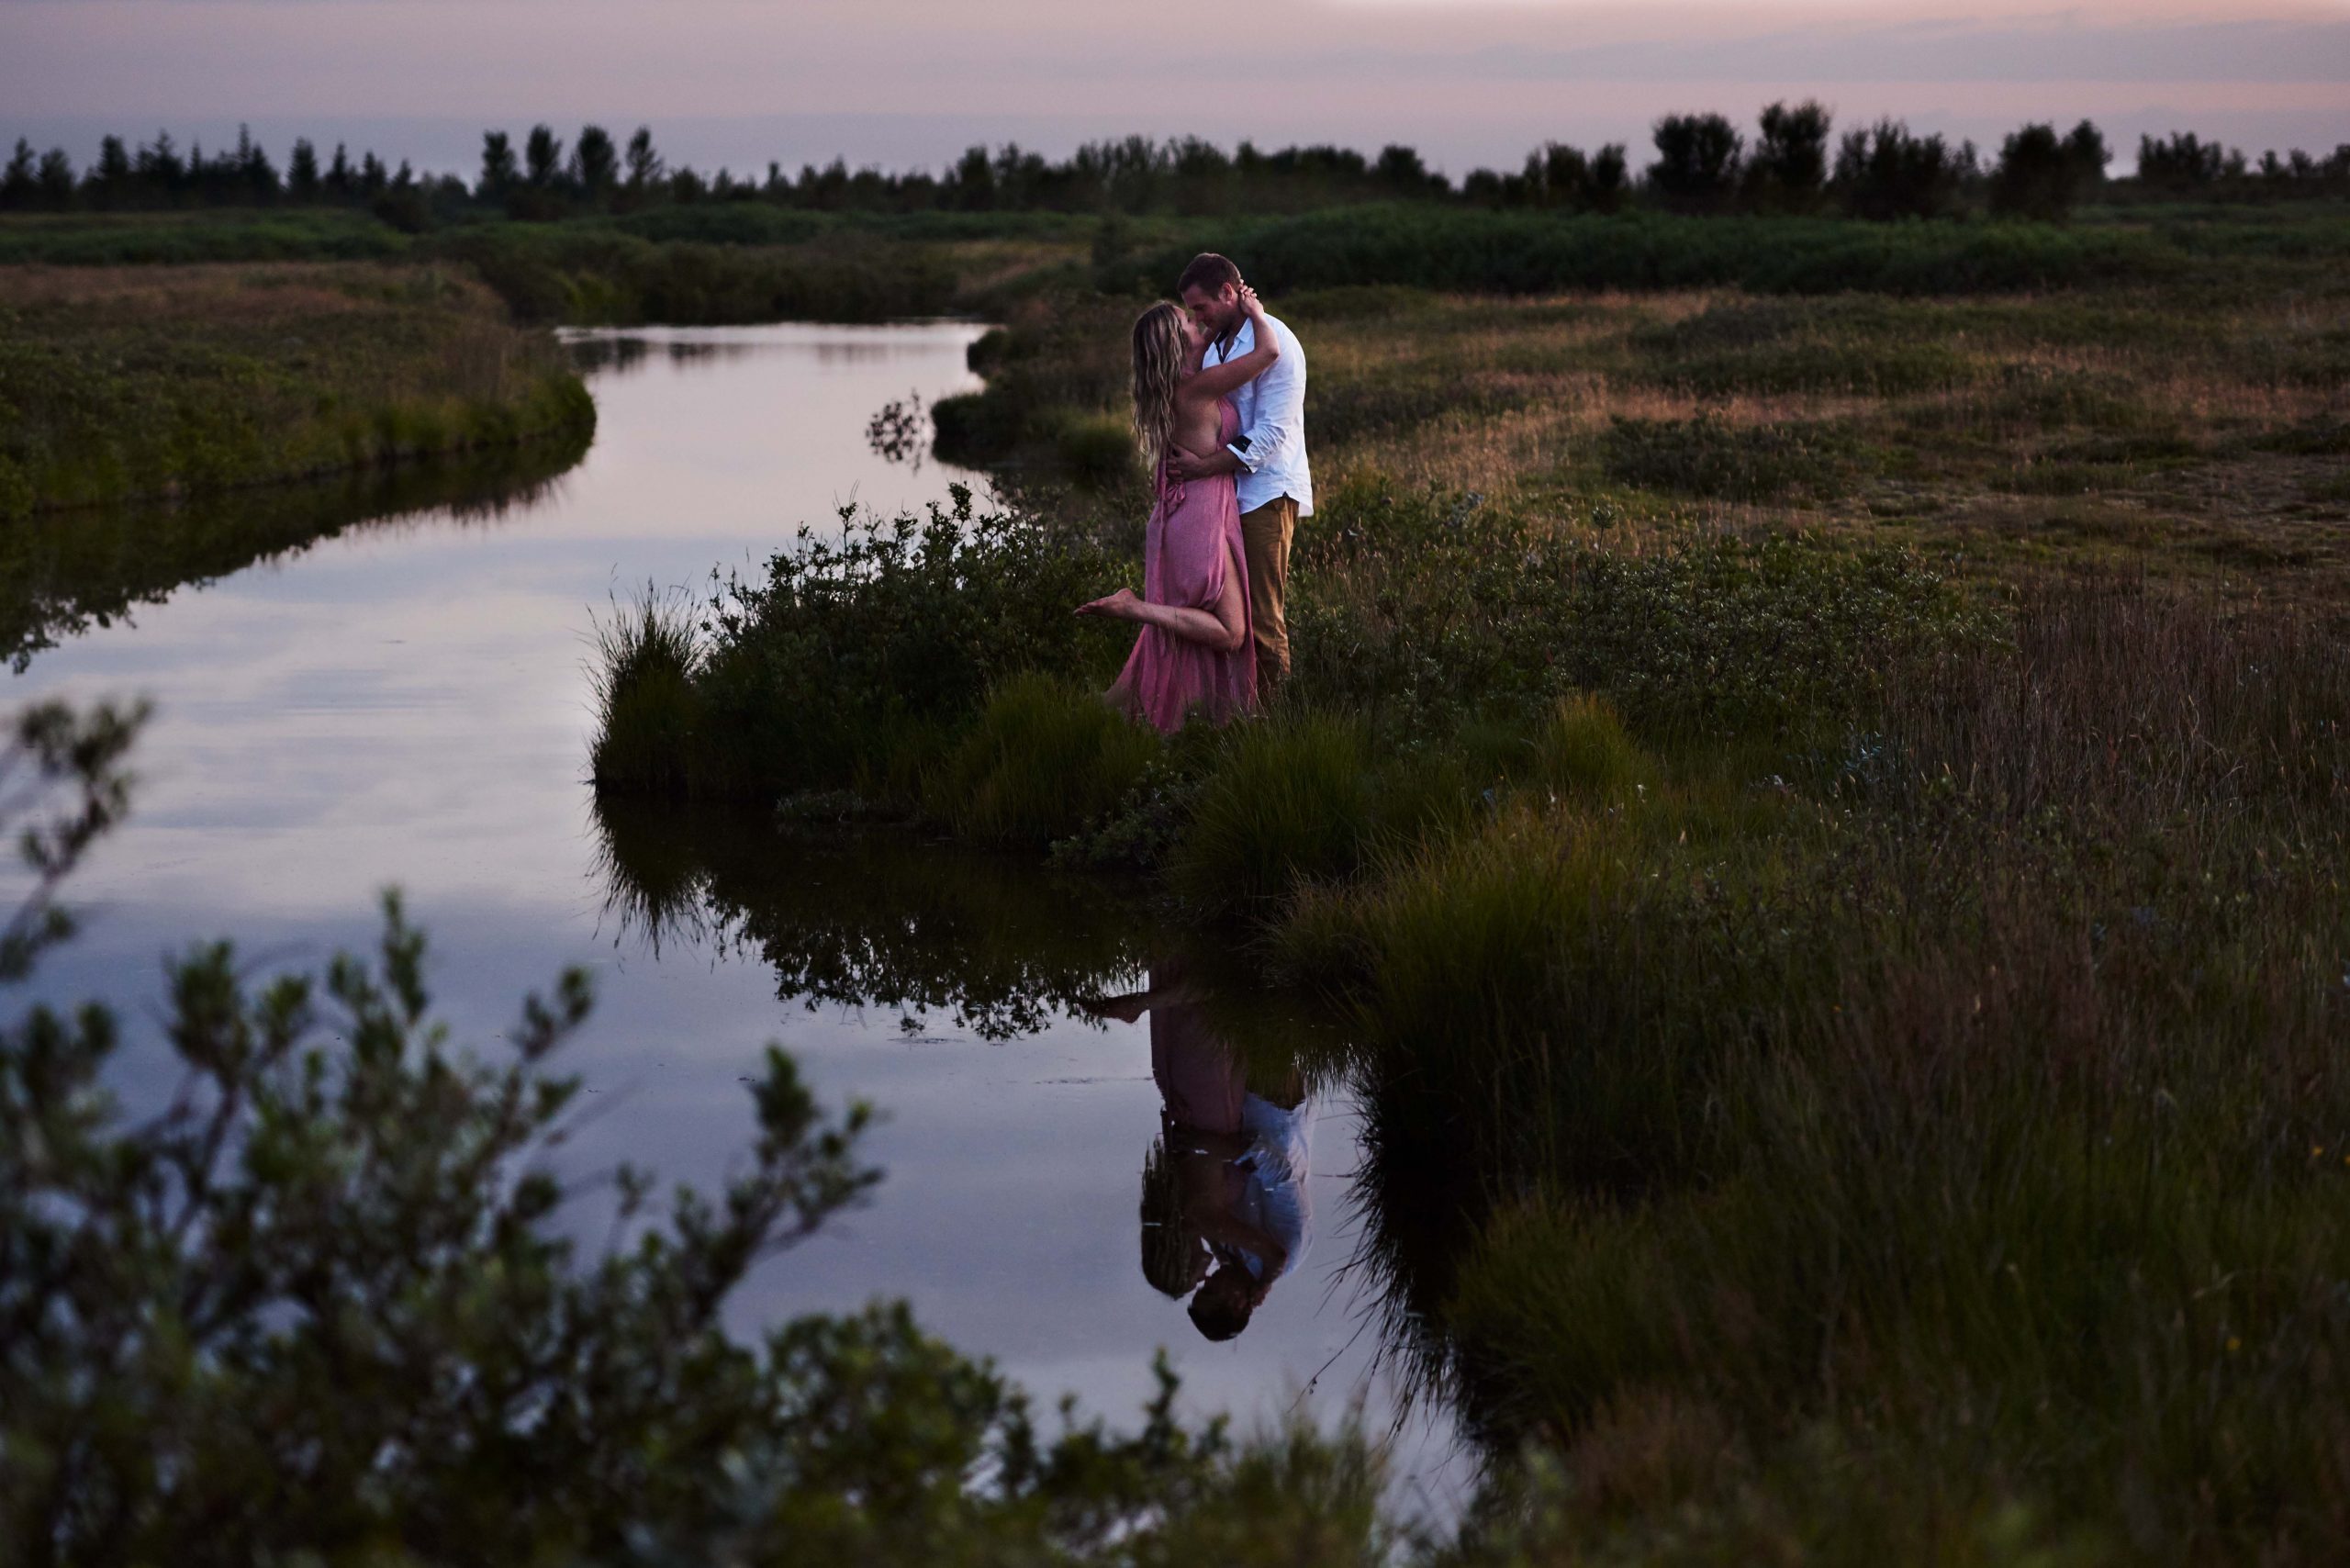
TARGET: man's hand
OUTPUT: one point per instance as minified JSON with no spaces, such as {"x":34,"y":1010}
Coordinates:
{"x":1187,"y":465}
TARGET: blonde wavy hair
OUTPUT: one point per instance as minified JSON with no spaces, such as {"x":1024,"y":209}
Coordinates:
{"x":1158,"y":368}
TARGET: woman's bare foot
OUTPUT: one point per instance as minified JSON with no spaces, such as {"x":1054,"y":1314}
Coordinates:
{"x":1119,"y":606}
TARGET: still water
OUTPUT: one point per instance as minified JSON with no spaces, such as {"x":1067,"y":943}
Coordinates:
{"x":408,"y":704}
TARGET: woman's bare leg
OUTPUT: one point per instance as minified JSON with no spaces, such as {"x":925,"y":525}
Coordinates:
{"x":1221,"y":628}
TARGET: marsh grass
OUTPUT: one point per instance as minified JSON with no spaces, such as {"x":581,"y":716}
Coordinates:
{"x":176,"y":381}
{"x":649,"y":716}
{"x":1043,"y":758}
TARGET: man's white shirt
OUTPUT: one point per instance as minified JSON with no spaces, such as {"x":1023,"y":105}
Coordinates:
{"x":1273,"y":423}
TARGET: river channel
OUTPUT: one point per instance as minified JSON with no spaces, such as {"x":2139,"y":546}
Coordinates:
{"x":407,"y":704}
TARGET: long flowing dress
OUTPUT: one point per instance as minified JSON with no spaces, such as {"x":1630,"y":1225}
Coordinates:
{"x":1193,"y":540}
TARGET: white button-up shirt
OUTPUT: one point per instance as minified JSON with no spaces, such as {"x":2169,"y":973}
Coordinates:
{"x":1272,"y":447}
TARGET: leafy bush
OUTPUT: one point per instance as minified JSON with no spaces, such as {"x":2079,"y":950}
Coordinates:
{"x":866,"y":656}
{"x":1886,"y":172}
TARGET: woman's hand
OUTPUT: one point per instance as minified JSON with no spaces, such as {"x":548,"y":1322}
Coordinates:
{"x":1119,"y":606}
{"x":1250,"y":305}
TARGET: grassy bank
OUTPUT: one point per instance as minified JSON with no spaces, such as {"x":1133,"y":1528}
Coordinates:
{"x":171,"y":382}
{"x":1824,"y":818}
{"x":683,"y":265}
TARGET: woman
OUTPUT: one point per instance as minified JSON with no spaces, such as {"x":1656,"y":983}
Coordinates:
{"x":1194,"y":650}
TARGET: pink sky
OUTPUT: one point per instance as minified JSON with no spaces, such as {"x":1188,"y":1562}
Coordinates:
{"x":900,"y":82}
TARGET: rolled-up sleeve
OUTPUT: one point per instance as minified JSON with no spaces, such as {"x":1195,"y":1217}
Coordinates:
{"x":1278,"y":428}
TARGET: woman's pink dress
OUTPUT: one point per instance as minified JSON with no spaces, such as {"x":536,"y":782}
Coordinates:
{"x":1194,"y":540}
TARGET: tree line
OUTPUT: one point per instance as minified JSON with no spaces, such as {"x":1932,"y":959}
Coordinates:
{"x":1703,"y":164}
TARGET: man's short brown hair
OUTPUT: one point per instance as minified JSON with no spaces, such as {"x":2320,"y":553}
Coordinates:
{"x":1209,"y":273}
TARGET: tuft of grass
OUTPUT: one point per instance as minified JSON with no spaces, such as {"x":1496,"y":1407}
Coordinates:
{"x":1045,"y":758}
{"x":1286,"y":803}
{"x":649,"y":714}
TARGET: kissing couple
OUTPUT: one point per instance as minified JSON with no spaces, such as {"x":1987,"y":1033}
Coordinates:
{"x":1219,"y":392}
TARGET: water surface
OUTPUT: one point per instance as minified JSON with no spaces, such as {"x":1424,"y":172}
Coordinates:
{"x":410,"y":705}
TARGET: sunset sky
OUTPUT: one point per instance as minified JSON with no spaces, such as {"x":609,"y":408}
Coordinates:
{"x":904,"y":83}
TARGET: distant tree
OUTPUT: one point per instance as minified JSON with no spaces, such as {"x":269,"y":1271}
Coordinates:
{"x":1788,"y":170}
{"x":2084,"y":146}
{"x":2184,"y":162}
{"x":1558,"y":175}
{"x":1400,"y":171}
{"x":1611,"y":177}
{"x":1698,"y":162}
{"x":1483,"y":187}
{"x":160,"y":168}
{"x":2038,"y":176}
{"x":595,"y":164}
{"x":542,"y":158}
{"x":974,"y":181}
{"x":107,"y":185}
{"x":373,"y":176}
{"x":54,"y":180}
{"x":255,"y":173}
{"x":302,"y":171}
{"x":340,"y":182}
{"x":21,"y":181}
{"x":686,"y":186}
{"x":644,"y":167}
{"x":499,"y":168}
{"x":1886,"y":173}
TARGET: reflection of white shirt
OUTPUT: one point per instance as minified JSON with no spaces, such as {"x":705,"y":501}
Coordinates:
{"x":1275,"y":1200}
{"x":1272,"y":420}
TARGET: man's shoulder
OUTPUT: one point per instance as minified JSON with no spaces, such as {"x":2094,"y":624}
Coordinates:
{"x":1282,"y":330}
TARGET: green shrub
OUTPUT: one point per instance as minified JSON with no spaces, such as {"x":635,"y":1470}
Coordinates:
{"x":858,"y":658}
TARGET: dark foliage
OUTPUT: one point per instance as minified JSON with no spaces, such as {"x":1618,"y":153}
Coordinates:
{"x":1886,"y":172}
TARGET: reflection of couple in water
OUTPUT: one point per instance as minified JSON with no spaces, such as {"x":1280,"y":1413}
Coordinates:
{"x":1223,"y":1196}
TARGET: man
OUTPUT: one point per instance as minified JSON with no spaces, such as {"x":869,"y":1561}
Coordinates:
{"x":1267,"y":459}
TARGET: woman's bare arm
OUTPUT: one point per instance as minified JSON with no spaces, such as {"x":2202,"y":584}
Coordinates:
{"x":1215,"y":380}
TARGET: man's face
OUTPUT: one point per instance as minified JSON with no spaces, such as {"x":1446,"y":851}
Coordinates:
{"x":1218,"y":312}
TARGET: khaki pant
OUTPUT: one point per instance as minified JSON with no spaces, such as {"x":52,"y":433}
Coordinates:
{"x":1265,"y":534}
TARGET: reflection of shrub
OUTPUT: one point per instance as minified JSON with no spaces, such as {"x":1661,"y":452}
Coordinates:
{"x":1708,"y":457}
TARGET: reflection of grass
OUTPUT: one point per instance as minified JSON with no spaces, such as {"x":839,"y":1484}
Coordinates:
{"x":66,"y":571}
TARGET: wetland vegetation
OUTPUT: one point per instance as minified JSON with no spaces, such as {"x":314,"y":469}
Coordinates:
{"x":1815,"y":785}
{"x":1824,"y":817}
{"x":163,"y":383}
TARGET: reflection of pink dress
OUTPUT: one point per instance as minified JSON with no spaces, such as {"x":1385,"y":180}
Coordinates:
{"x":1193,"y":539}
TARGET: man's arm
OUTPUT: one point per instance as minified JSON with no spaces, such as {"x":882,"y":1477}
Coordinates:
{"x":1191,"y":465}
